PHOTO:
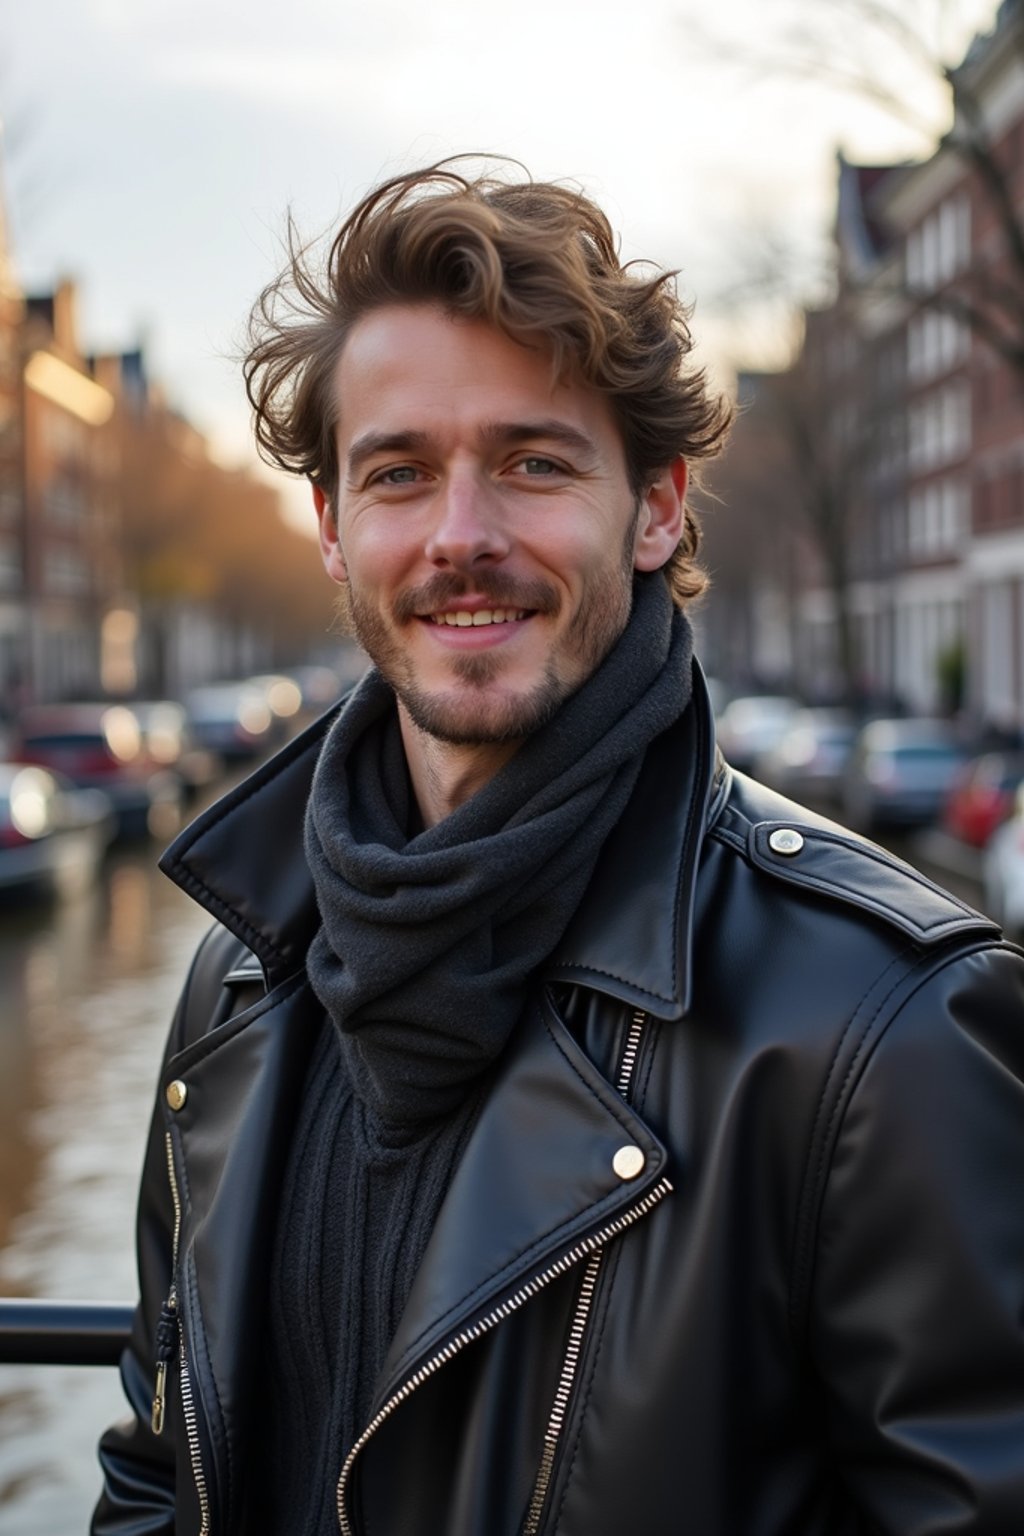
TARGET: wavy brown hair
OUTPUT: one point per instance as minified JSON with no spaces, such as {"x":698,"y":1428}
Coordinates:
{"x":534,"y":259}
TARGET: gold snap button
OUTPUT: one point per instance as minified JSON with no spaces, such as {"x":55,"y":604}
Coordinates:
{"x":177,"y":1093}
{"x":785,"y":840}
{"x":628,"y":1162}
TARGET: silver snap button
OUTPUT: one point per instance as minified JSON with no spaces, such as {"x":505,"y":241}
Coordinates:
{"x":785,"y":840}
{"x":177,"y":1093}
{"x":628,"y":1162}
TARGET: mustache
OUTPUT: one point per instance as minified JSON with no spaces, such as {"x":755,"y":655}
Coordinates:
{"x":500,"y":589}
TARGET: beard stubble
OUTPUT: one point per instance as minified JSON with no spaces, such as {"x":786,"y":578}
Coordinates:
{"x":472,"y":714}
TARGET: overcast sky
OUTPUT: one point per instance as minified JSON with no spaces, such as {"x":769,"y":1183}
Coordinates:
{"x":154,"y":145}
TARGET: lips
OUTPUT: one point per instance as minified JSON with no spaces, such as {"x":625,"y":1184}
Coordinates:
{"x":464,"y":619}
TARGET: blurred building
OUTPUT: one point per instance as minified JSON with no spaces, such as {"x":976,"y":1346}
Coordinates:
{"x":70,"y":512}
{"x":901,"y":422}
{"x":12,"y":517}
{"x":131,"y":561}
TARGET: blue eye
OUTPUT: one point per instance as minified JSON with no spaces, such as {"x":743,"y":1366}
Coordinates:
{"x":536,"y":465}
{"x":402,"y":474}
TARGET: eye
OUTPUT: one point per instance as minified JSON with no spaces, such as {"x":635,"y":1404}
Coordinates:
{"x":399,"y":474}
{"x":536,"y":464}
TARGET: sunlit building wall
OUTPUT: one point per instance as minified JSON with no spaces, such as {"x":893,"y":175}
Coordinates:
{"x":70,"y":470}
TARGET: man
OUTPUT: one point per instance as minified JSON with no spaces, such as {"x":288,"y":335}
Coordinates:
{"x":558,"y":1132}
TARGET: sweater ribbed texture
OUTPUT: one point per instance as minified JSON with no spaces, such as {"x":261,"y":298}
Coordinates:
{"x":356,"y":1215}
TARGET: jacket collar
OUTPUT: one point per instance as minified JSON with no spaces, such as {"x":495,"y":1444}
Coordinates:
{"x":632,"y":934}
{"x":243,"y":860}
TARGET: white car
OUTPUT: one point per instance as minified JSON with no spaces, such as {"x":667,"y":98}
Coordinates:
{"x":1003,"y":873}
{"x":752,"y":725}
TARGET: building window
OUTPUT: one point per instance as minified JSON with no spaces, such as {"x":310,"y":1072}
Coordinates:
{"x":940,"y":246}
{"x":936,"y":343}
{"x":937,"y":518}
{"x":939,"y":427}
{"x":64,"y":503}
{"x":10,"y":564}
{"x":66,"y":572}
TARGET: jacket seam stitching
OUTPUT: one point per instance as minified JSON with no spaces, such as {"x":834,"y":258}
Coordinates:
{"x":257,"y":941}
{"x":875,"y":903}
{"x":727,"y":835}
{"x":588,"y":968}
{"x":806,"y":1240}
{"x":804,"y":880}
{"x":864,"y":850}
{"x":196,"y":886}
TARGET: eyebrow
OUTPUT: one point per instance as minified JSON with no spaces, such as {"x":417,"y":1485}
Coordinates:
{"x":549,"y":429}
{"x":492,"y":434}
{"x":372,"y":443}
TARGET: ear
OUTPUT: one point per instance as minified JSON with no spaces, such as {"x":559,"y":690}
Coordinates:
{"x":330,"y":548}
{"x":660,"y":524}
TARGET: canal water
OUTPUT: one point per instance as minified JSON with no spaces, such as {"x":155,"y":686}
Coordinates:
{"x":87,"y":988}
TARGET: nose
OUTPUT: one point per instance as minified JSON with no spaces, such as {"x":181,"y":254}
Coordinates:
{"x":468,"y":528}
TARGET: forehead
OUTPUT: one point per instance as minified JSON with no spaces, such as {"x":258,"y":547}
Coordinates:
{"x":416,"y":367}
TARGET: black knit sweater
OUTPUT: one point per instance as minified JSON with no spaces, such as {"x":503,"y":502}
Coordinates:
{"x":357,"y":1209}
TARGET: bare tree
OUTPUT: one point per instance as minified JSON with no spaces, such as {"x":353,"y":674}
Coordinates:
{"x":906,"y":57}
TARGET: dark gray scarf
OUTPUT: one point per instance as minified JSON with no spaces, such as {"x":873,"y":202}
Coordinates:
{"x":427,"y":943}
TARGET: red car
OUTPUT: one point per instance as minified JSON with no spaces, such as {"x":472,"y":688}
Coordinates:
{"x":982,"y":796}
{"x":102,"y":746}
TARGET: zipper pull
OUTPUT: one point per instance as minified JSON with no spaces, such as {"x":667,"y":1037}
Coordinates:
{"x":156,"y":1418}
{"x":166,"y":1339}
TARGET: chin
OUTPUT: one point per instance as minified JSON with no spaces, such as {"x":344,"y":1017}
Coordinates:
{"x":462,"y":719}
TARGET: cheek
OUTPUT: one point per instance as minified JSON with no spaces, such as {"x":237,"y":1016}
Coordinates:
{"x":367,"y":556}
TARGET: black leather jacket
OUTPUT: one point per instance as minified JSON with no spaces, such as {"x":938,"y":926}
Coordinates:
{"x":736,"y":1248}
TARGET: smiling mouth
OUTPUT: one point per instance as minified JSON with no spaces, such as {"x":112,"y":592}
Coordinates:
{"x":477,"y":619}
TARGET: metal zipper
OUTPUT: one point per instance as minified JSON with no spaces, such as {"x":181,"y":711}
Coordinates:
{"x":167,"y":1327}
{"x":588,"y":1248}
{"x":187,"y":1399}
{"x":581,"y":1316}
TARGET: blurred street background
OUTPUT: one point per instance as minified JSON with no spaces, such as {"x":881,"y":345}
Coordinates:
{"x":841,"y":188}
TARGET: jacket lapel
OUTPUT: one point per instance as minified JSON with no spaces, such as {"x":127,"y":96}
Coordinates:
{"x":536,"y":1178}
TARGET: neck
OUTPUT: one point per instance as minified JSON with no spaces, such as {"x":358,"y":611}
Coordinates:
{"x":445,"y":774}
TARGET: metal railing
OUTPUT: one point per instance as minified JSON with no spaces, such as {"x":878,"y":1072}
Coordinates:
{"x":62,"y":1332}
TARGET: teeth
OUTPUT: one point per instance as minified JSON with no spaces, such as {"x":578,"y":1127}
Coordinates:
{"x":465,"y":620}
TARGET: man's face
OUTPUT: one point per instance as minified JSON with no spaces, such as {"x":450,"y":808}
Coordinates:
{"x":484,"y":523}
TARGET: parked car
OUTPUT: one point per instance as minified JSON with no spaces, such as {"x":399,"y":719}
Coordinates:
{"x":52,"y":836}
{"x":284,"y":700}
{"x":1003,"y":872}
{"x":753,"y":724}
{"x":982,"y":796}
{"x":232,"y":719}
{"x":318,"y":686}
{"x":169,"y":741}
{"x":810,"y":760}
{"x":102,"y":746}
{"x":900,"y":772}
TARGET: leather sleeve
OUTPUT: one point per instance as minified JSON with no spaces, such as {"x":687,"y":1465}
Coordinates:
{"x":139,"y":1490}
{"x":917,"y":1300}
